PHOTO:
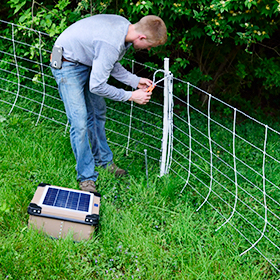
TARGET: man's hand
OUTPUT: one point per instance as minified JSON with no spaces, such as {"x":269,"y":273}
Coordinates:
{"x":140,"y":96}
{"x":144,"y":83}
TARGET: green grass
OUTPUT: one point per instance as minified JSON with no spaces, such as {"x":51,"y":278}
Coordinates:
{"x":144,"y":232}
{"x":148,"y":232}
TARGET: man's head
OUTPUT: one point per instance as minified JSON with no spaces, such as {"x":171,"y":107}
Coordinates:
{"x":152,"y":32}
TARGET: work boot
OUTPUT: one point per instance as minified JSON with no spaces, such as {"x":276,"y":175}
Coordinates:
{"x":87,"y":186}
{"x":116,"y":170}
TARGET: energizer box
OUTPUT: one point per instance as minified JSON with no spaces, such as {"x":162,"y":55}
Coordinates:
{"x":57,"y":211}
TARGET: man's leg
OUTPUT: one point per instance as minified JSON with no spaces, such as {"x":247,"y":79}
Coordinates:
{"x":102,"y":153}
{"x":96,"y":107}
{"x":71,"y":80}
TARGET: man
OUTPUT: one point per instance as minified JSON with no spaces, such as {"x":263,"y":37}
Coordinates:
{"x":91,"y":49}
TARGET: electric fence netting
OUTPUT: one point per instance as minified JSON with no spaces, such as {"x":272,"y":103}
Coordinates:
{"x":224,"y":166}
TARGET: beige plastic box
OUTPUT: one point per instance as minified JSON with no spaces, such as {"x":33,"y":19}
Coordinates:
{"x":58,"y":211}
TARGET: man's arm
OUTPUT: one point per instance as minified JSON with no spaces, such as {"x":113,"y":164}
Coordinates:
{"x":102,"y":66}
{"x":124,"y":76}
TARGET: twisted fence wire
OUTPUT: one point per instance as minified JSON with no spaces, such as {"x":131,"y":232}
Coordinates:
{"x":130,"y":115}
{"x":43,"y":78}
{"x":264,"y":198}
{"x":190,"y":137}
{"x":211,"y":153}
{"x":18,"y":79}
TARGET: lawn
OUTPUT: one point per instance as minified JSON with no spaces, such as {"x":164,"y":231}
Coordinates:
{"x":145,"y":232}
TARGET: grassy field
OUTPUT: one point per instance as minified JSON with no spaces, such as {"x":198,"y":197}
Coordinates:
{"x":144,"y":232}
{"x":147,"y":230}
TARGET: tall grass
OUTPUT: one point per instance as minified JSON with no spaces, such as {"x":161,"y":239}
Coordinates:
{"x":145,"y":232}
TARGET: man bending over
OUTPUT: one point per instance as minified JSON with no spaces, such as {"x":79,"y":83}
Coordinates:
{"x":91,"y":49}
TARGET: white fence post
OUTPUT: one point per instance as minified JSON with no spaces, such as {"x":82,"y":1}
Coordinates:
{"x":170,"y":123}
{"x":166,"y":145}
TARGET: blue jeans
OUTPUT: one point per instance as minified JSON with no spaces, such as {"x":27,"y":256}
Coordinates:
{"x":86,"y":113}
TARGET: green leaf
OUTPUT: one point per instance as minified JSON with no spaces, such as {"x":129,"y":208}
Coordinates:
{"x":19,"y":6}
{"x":195,"y":13}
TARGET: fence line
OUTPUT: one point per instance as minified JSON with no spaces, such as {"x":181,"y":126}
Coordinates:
{"x":274,"y":224}
{"x":215,"y":159}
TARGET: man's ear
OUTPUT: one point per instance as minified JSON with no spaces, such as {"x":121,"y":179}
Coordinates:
{"x":142,"y":36}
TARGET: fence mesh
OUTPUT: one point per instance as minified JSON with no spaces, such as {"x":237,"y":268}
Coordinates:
{"x":228,"y":161}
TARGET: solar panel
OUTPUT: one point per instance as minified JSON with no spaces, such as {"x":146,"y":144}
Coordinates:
{"x":57,"y":211}
{"x":67,"y":199}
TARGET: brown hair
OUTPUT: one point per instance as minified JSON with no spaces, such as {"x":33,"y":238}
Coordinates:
{"x":153,"y":28}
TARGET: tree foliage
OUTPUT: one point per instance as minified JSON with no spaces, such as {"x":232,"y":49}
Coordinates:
{"x":228,"y":48}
